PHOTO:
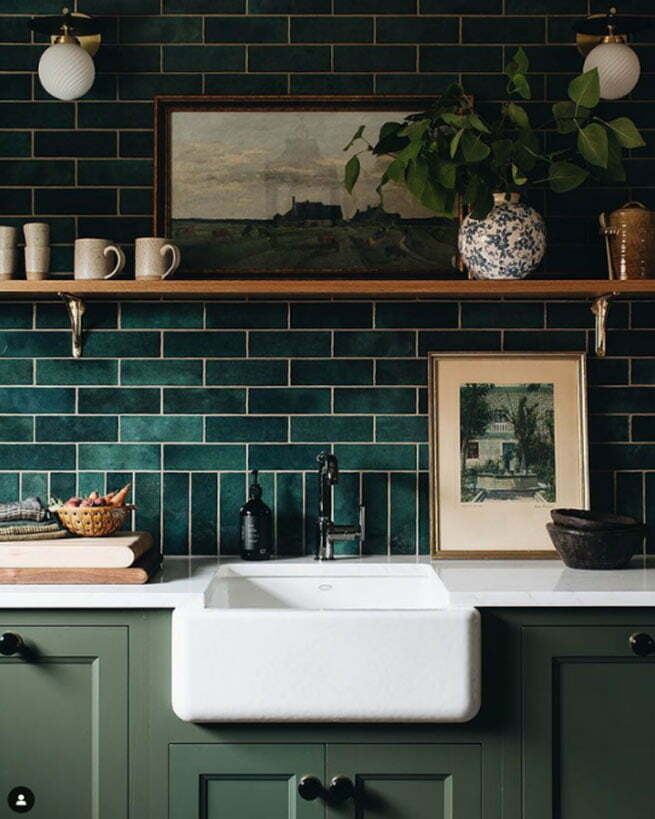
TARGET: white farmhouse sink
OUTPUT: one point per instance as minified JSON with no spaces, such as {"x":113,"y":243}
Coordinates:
{"x":349,"y":642}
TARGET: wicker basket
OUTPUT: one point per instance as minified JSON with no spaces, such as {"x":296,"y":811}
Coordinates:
{"x":93,"y":521}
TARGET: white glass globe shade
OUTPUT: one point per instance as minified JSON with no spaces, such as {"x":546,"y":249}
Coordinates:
{"x":66,"y":71}
{"x":618,"y":69}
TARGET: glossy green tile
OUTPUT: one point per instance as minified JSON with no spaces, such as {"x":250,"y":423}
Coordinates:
{"x":16,"y":87}
{"x":411,"y":314}
{"x":411,"y":84}
{"x":402,"y":535}
{"x":9,"y":486}
{"x":611,"y":428}
{"x":16,"y":428}
{"x":164,"y":428}
{"x":161,"y":30}
{"x":34,"y":344}
{"x":196,"y":400}
{"x":15,"y":316}
{"x":205,"y":58}
{"x":34,"y":485}
{"x":62,"y":485}
{"x":401,"y":428}
{"x":458,"y":341}
{"x":146,"y":86}
{"x":331,"y":84}
{"x":135,"y":143}
{"x":284,"y":456}
{"x":136,"y":200}
{"x":376,"y":456}
{"x":15,"y":372}
{"x":175,"y":535}
{"x":331,"y":371}
{"x":254,"y":315}
{"x":119,"y":456}
{"x":546,"y":340}
{"x":212,"y":457}
{"x":272,"y":401}
{"x":631,"y":342}
{"x":311,"y":514}
{"x":135,"y":372}
{"x":232,"y":496}
{"x":374,"y":58}
{"x":494,"y":314}
{"x":332,"y":30}
{"x":27,"y":400}
{"x":578,"y":315}
{"x":515,"y":30}
{"x":244,"y":429}
{"x":337,"y":315}
{"x":246,"y":83}
{"x":37,"y":172}
{"x":106,"y":114}
{"x":621,"y":399}
{"x":204,"y":514}
{"x":643,"y":427}
{"x":424,"y":533}
{"x":20,"y":57}
{"x":122,"y":6}
{"x":346,"y":510}
{"x":246,"y":372}
{"x":119,"y":400}
{"x":109,"y":344}
{"x":375,"y":499}
{"x":400,"y":371}
{"x":45,"y":456}
{"x":246,"y":30}
{"x":76,"y":428}
{"x":76,"y":371}
{"x":371,"y":344}
{"x":15,"y":202}
{"x":88,"y":482}
{"x":124,"y":172}
{"x":289,"y":58}
{"x":451,"y":58}
{"x":147,"y":498}
{"x":334,"y":428}
{"x":643,"y":371}
{"x":159,"y":316}
{"x":54,"y":316}
{"x":73,"y":201}
{"x":622,"y":456}
{"x":15,"y":143}
{"x":375,"y":400}
{"x":289,"y":508}
{"x":204,"y":344}
{"x":128,"y":59}
{"x":630,"y":494}
{"x":289,"y":7}
{"x":75,"y":143}
{"x":296,"y":344}
{"x":417,"y":30}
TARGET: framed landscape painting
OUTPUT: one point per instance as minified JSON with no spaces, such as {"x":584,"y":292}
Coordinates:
{"x":253,"y":186}
{"x":508,"y":443}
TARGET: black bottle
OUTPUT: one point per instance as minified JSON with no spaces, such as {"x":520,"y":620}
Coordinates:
{"x":256,"y":525}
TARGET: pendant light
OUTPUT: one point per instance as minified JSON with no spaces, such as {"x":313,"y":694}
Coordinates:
{"x":66,"y":68}
{"x":603,"y":40}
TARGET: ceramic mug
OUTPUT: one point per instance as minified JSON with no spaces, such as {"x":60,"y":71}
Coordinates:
{"x":8,"y":255}
{"x":37,"y":262}
{"x":37,"y":234}
{"x":92,"y":259}
{"x":7,"y":236}
{"x":150,"y":258}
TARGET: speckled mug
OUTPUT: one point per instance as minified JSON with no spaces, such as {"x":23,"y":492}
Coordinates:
{"x":92,"y":259}
{"x":150,"y":258}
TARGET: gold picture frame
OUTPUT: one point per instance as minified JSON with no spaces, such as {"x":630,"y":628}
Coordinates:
{"x":469,"y":497}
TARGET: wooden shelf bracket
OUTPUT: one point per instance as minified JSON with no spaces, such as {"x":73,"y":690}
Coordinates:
{"x":600,"y":308}
{"x":76,"y":309}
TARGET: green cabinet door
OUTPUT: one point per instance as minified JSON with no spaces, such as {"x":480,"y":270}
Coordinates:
{"x":589,"y":723}
{"x":243,"y":781}
{"x":63,"y":721}
{"x":418,"y":781}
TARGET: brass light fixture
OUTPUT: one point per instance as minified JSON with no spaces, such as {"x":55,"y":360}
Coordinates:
{"x":603,"y":40}
{"x":66,"y":68}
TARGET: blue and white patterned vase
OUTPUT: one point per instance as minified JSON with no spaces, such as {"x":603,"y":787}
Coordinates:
{"x":508,"y":244}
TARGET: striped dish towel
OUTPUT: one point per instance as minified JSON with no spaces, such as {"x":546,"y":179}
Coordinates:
{"x":31,"y":531}
{"x":28,"y":509}
{"x":39,"y":536}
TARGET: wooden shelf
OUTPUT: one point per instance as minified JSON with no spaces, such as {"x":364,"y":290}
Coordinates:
{"x":327,"y":288}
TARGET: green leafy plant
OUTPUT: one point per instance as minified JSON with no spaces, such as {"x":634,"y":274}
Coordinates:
{"x":451,"y":153}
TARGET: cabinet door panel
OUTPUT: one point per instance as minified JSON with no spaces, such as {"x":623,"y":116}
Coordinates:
{"x":63,"y":721}
{"x":235,"y":781}
{"x":408,"y":781}
{"x":589,"y":724}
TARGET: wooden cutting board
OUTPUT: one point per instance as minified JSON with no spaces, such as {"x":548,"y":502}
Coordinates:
{"x":142,"y":570}
{"x":113,"y":552}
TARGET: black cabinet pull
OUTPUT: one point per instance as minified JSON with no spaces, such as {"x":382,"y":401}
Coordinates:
{"x":341,"y":788}
{"x":642,"y":644}
{"x":310,"y":788}
{"x":11,"y":644}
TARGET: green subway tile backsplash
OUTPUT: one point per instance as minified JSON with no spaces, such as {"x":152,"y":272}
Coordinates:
{"x":182,"y":398}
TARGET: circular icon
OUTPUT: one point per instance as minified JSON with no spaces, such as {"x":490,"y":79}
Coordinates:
{"x":20,"y":799}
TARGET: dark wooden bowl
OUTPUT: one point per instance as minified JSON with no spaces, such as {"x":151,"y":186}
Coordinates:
{"x":594,"y":548}
{"x":586,"y":520}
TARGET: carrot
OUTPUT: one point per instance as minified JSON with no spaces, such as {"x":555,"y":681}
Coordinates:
{"x":120,"y":496}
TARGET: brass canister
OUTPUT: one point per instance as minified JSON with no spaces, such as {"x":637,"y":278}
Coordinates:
{"x":630,"y":241}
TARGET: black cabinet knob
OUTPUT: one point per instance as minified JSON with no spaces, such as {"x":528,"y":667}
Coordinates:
{"x":341,"y":788}
{"x":310,"y":788}
{"x":11,"y":644}
{"x":642,"y":644}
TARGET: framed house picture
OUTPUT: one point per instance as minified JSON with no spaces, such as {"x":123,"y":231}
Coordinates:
{"x":254,"y":187}
{"x":508,"y":443}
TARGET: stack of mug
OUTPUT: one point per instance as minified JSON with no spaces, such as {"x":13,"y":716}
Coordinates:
{"x":7,"y":252}
{"x":37,"y":250}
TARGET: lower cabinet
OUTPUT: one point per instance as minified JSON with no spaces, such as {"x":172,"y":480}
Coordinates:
{"x":367,"y":781}
{"x":63,"y":722}
{"x":589,"y":722}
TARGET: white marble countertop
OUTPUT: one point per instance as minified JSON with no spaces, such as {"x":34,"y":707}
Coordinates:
{"x":469,"y":583}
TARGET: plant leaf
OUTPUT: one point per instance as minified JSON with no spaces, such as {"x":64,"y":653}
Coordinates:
{"x":434,"y":197}
{"x":565,"y":176}
{"x":518,"y":115}
{"x":517,"y":176}
{"x":395,"y":171}
{"x":416,"y":177}
{"x":626,"y":133}
{"x":585,"y":89}
{"x":519,"y":63}
{"x":592,"y":144}
{"x":355,"y":137}
{"x":473,"y":148}
{"x":484,"y":202}
{"x":454,"y":143}
{"x":457,"y":120}
{"x":569,"y":116}
{"x":520,"y":84}
{"x":446,"y":173}
{"x":352,"y":173}
{"x":477,"y":123}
